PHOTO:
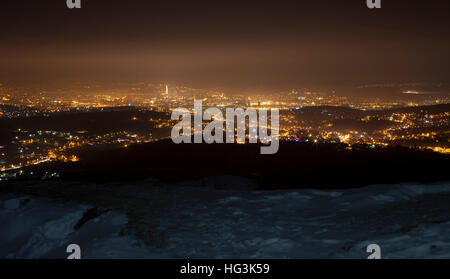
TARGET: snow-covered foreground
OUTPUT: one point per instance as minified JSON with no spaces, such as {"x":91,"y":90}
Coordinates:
{"x":406,"y":221}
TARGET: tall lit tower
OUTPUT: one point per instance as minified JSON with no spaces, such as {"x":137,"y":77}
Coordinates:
{"x":167,"y":90}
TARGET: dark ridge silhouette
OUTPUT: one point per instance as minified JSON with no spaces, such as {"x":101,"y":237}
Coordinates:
{"x":96,"y":122}
{"x":296,"y":165}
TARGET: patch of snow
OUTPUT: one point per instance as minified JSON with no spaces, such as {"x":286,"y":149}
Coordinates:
{"x":13,"y":204}
{"x":407,"y":221}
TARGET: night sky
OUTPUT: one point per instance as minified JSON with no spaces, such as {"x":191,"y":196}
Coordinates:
{"x":232,"y":45}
